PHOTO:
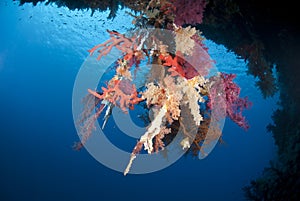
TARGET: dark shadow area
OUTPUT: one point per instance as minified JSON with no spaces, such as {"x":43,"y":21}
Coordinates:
{"x":267,"y":37}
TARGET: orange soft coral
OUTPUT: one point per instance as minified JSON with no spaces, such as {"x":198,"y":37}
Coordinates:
{"x":119,"y":92}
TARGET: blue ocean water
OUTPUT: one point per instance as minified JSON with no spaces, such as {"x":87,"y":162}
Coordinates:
{"x":41,"y":51}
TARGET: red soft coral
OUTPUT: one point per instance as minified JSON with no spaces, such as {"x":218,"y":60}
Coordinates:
{"x":119,"y":92}
{"x":174,"y":64}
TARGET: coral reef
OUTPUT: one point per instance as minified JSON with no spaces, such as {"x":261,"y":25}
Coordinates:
{"x":178,"y":92}
{"x":263,"y":36}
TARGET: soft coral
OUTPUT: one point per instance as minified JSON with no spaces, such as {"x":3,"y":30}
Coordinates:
{"x":189,"y":11}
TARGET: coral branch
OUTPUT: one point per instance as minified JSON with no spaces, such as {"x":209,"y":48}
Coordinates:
{"x":146,"y":140}
{"x":126,"y":45}
{"x":121,"y":93}
{"x":153,"y":130}
{"x":88,"y":118}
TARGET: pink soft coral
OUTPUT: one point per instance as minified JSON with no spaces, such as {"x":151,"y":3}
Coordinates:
{"x":189,"y":11}
{"x":223,"y":86}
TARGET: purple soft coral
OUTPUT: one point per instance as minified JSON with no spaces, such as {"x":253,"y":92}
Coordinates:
{"x":231,"y":100}
{"x":189,"y":11}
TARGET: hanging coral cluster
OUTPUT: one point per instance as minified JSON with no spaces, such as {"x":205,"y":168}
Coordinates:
{"x":178,"y":91}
